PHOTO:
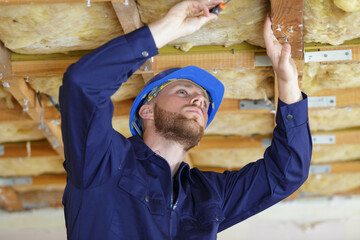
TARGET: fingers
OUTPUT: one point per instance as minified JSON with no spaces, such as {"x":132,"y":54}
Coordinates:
{"x":269,"y":36}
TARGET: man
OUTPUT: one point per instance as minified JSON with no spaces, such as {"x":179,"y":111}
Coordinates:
{"x":140,"y":188}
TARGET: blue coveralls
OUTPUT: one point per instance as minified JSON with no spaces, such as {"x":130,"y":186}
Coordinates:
{"x":118,"y":188}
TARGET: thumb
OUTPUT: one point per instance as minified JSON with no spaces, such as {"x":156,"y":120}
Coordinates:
{"x":202,"y":20}
{"x":285,"y":54}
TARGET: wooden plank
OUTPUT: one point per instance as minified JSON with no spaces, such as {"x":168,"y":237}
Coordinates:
{"x":39,"y":68}
{"x":287,"y":19}
{"x":27,"y":98}
{"x":236,"y":60}
{"x":345,"y":167}
{"x":5,"y":64}
{"x":24,"y":95}
{"x":128,"y":15}
{"x":344,"y":97}
{"x":129,"y":19}
{"x":9,"y":199}
{"x":20,"y":150}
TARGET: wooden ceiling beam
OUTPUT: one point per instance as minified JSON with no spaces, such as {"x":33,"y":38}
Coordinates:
{"x":27,"y":98}
{"x":129,"y":18}
{"x":5,"y":63}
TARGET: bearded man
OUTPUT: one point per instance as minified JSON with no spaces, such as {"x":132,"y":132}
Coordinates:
{"x":140,"y":187}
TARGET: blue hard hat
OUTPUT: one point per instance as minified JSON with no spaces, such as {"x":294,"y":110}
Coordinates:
{"x":214,"y":88}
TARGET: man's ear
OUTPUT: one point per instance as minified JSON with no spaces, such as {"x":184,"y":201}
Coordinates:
{"x":146,"y":112}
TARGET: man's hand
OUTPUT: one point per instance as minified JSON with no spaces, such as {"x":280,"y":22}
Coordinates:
{"x":182,"y":19}
{"x":284,"y":66}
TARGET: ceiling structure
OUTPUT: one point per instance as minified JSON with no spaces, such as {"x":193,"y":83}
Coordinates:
{"x":41,"y":38}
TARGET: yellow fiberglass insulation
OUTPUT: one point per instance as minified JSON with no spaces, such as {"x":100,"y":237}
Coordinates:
{"x":236,"y":158}
{"x":15,"y":132}
{"x":122,"y":126}
{"x":332,"y":119}
{"x":318,"y":77}
{"x":325,"y":22}
{"x":57,"y":28}
{"x":50,"y":86}
{"x":328,"y":184}
{"x":254,"y":84}
{"x":32,"y":166}
{"x":241,"y":124}
{"x":348,"y":5}
{"x":240,"y":21}
{"x":335,"y":153}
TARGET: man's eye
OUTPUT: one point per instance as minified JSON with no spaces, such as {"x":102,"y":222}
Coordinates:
{"x":182,"y":92}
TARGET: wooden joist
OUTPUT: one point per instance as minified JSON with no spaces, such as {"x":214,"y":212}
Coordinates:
{"x":27,"y":98}
{"x":287,"y":19}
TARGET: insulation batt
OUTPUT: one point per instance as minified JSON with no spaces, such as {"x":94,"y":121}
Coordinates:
{"x":325,"y":22}
{"x":329,"y":184}
{"x":225,"y":158}
{"x":33,"y":166}
{"x":50,"y":86}
{"x":50,"y":28}
{"x":320,"y":76}
{"x":335,"y":153}
{"x":253,"y":84}
{"x":240,"y":21}
{"x":332,"y":119}
{"x":16,"y":132}
{"x":241,"y":124}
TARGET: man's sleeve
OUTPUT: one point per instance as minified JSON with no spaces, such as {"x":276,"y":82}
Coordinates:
{"x":282,"y":171}
{"x":86,"y":108}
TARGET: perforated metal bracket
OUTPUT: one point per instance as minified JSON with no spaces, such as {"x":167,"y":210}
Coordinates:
{"x":328,"y":56}
{"x":15,"y":181}
{"x":256,"y":104}
{"x":324,"y":101}
{"x":320,"y":169}
{"x":324,"y":139}
{"x":2,"y":150}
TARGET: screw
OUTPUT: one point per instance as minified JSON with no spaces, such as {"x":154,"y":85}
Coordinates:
{"x":278,"y":28}
{"x":347,"y":53}
{"x":145,"y":68}
{"x":215,"y":71}
{"x":27,"y":79}
{"x":325,"y":55}
{"x":126,"y":2}
{"x":291,"y":29}
{"x":6,"y":85}
{"x":286,"y":39}
{"x":88,"y":3}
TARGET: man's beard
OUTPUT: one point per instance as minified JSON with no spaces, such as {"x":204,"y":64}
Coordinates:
{"x":178,"y":128}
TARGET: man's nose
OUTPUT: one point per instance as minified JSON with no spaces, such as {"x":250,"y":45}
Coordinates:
{"x":198,"y":100}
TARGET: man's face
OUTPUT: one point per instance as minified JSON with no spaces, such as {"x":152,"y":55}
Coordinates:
{"x":180,"y":113}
